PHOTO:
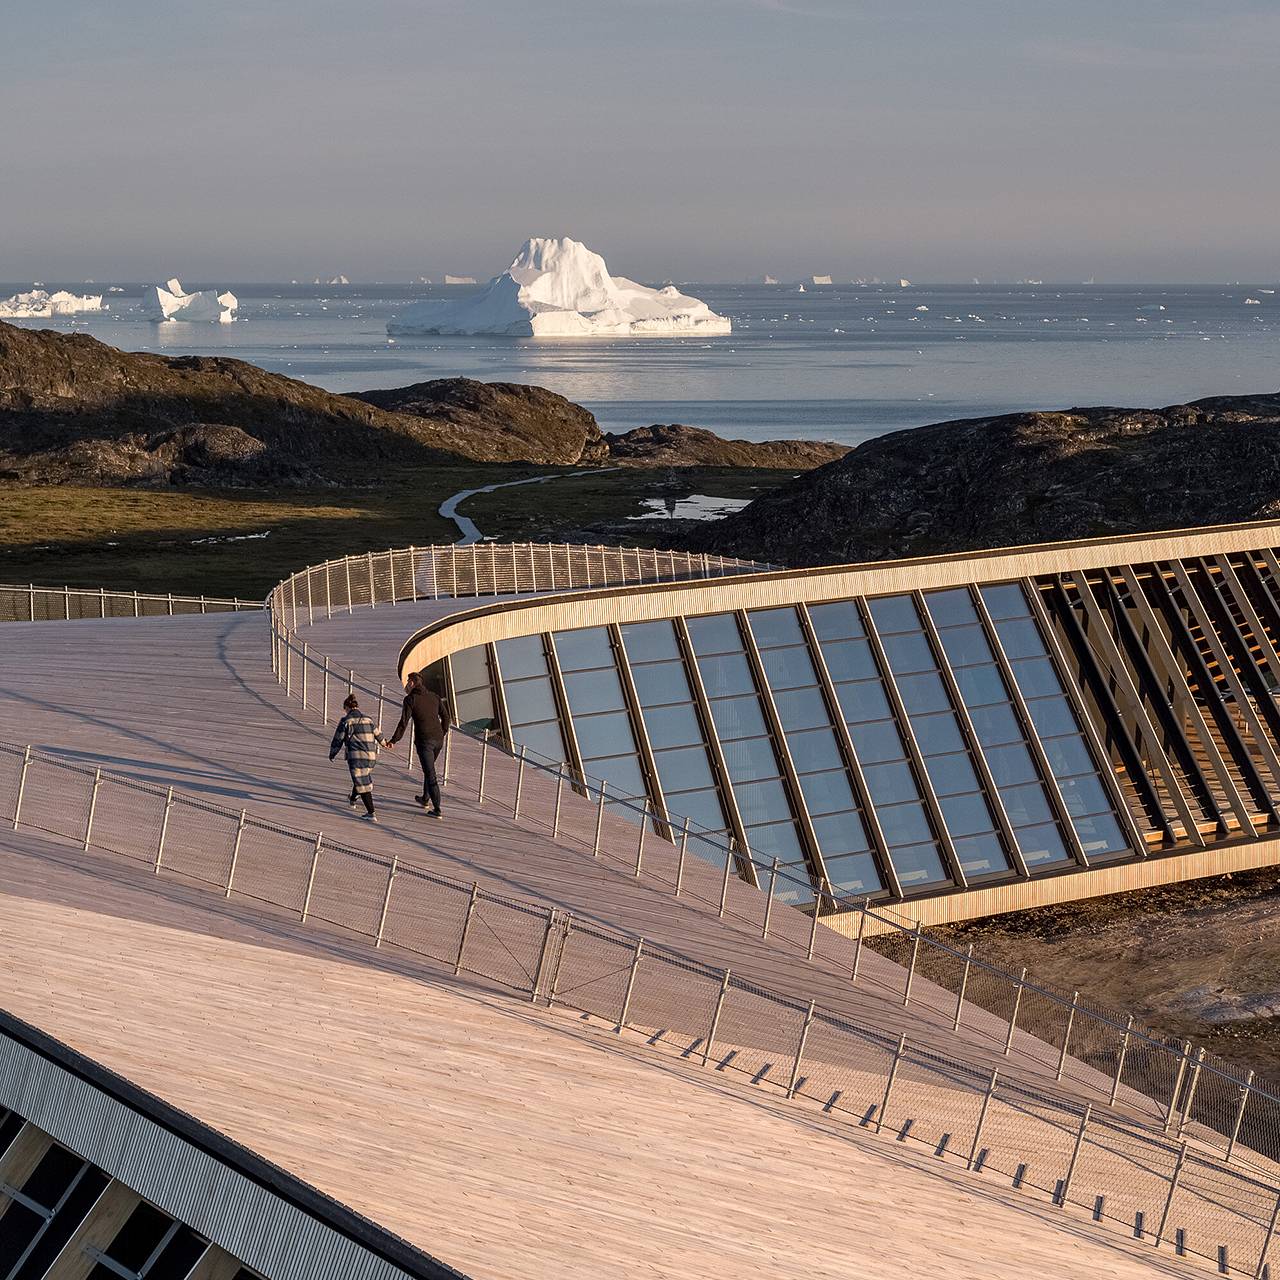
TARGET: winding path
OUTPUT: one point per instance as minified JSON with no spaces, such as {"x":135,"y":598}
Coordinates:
{"x":469,"y":529}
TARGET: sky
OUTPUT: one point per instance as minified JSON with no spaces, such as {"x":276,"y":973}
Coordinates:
{"x":1126,"y":140}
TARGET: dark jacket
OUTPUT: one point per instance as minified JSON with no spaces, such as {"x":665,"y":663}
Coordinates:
{"x":429,"y":713}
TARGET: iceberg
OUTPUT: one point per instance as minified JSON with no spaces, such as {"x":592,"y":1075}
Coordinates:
{"x":169,"y":301}
{"x":448,"y":279}
{"x":821,"y":279}
{"x":560,"y":289}
{"x":38,"y":304}
{"x":768,"y":280}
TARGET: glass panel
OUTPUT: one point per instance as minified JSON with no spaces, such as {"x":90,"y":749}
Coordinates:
{"x":918,"y":865}
{"x":582,"y":649}
{"x":683,"y":768}
{"x":1100,"y":835}
{"x":1005,"y":600}
{"x":1052,"y":717}
{"x":676,"y":726}
{"x":590,"y":691}
{"x":529,"y":700}
{"x":836,"y":621}
{"x":1041,"y":844}
{"x":840,"y":833}
{"x":470,"y":668}
{"x":1036,"y":677}
{"x":826,"y":792}
{"x":774,"y":627}
{"x":523,"y":656}
{"x":475,"y":709}
{"x":964,"y":645}
{"x":604,"y":735}
{"x":726,"y":674}
{"x":863,"y":701}
{"x":904,"y":824}
{"x":878,"y":741}
{"x":738,"y":718}
{"x":894,"y":613}
{"x":922,"y":694}
{"x":1068,"y":755}
{"x":980,"y":686}
{"x":774,"y":840}
{"x":854,"y":874}
{"x":788,"y":668}
{"x":748,"y":759}
{"x":909,"y":653}
{"x":715,"y":634}
{"x":951,"y":608}
{"x":1084,"y":795}
{"x":1011,"y":765}
{"x":622,"y":773}
{"x":660,"y":682}
{"x":650,"y":641}
{"x":966,"y":815}
{"x":981,"y":855}
{"x":891,"y":784}
{"x":541,"y":739}
{"x":761,"y":802}
{"x":952,"y":775}
{"x":937,"y":734}
{"x":802,"y":709}
{"x":702,"y":808}
{"x":1020,"y":638}
{"x":995,"y":725}
{"x":1026,"y":805}
{"x":814,"y":749}
{"x":850,"y":660}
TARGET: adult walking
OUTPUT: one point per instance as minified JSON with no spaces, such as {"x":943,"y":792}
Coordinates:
{"x":428,"y":712}
{"x":361,"y":739}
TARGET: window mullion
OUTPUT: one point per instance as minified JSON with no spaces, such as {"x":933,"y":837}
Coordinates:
{"x":640,"y":732}
{"x":568,"y":734}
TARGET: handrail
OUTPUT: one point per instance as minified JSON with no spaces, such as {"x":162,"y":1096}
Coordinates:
{"x":1083,"y":1158}
{"x":1103,"y":1034}
{"x":31,"y":603}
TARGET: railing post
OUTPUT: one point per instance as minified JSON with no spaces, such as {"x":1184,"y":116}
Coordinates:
{"x":1245,"y":1090}
{"x":888,"y":1084}
{"x":382,"y":697}
{"x":66,"y":604}
{"x":964,"y":987}
{"x":235,"y":852}
{"x":538,"y":976}
{"x":305,"y":664}
{"x":595,"y":848}
{"x":724,"y":884}
{"x":715,"y":1017}
{"x":1013,"y":1016}
{"x":644,"y":823}
{"x":31,"y":601}
{"x":1266,"y":1240}
{"x":555,"y":817}
{"x":1075,"y":1155}
{"x":386,"y":900}
{"x":346,"y":564}
{"x":804,"y":1036}
{"x":22,"y":785}
{"x":466,"y":927}
{"x":484,"y":761}
{"x":1191,"y":1094}
{"x":1066,"y":1035}
{"x":684,"y":849}
{"x":1124,"y":1053}
{"x":515,"y":802}
{"x":311,"y":878}
{"x":93,"y":806}
{"x":326,"y":689}
{"x":982,"y":1117}
{"x":369,"y":561}
{"x":824,"y":890}
{"x":295,"y":610}
{"x":136,"y":604}
{"x":911,"y":968}
{"x":1174,"y":1179}
{"x":564,"y":947}
{"x":102,"y":603}
{"x":768,"y":902}
{"x":631,"y":985}
{"x":413,"y":573}
{"x":328,"y":593}
{"x":164,"y":830}
{"x":857,"y":942}
{"x":1177,"y":1085}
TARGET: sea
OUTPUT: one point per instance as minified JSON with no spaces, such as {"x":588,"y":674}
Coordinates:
{"x":829,"y":362}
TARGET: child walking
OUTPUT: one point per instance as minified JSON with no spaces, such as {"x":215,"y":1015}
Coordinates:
{"x":360,"y":736}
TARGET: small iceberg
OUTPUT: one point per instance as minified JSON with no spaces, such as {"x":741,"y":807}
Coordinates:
{"x":332,"y":280}
{"x":448,"y":279}
{"x":821,"y":279}
{"x":1253,"y":302}
{"x":38,"y":304}
{"x":922,"y":307}
{"x":560,"y":289}
{"x":768,"y":280}
{"x":169,"y":301}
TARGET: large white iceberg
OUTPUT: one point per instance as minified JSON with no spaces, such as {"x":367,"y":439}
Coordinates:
{"x":37,"y":304}
{"x":560,"y":289}
{"x":169,"y":301}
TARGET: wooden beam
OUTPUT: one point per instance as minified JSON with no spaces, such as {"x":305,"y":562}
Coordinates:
{"x":100,"y":1227}
{"x":19,"y":1162}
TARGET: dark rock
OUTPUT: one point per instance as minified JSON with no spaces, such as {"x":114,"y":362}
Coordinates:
{"x":1020,"y":478}
{"x":676,"y":445}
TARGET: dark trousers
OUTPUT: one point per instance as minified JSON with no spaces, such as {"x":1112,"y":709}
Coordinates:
{"x":367,"y":797}
{"x":427,"y":753}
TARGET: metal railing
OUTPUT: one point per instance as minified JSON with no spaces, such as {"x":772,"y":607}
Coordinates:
{"x":64,"y":604}
{"x":1164,"y":1190}
{"x":1173,"y":1086}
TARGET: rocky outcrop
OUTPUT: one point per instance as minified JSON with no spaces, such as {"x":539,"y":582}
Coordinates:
{"x":520,"y":423}
{"x":1020,"y":478}
{"x":676,"y":445}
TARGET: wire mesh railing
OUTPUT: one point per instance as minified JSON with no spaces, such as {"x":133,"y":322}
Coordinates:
{"x":1163,"y":1189}
{"x":65,"y":604}
{"x":1173,"y":1086}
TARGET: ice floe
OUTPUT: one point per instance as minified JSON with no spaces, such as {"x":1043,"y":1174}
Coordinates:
{"x":697,"y":506}
{"x":560,"y":289}
{"x":38,"y":304}
{"x":169,"y":301}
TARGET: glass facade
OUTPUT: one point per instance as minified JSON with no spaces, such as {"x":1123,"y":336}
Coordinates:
{"x":527,"y":692}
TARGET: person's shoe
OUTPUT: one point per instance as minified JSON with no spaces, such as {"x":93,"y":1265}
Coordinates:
{"x":435,"y":813}
{"x":422,"y":800}
{"x":369,"y":817}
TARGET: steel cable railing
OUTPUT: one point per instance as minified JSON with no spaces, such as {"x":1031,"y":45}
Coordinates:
{"x":1165,"y":1190}
{"x":64,"y":604}
{"x":1176,"y":1086}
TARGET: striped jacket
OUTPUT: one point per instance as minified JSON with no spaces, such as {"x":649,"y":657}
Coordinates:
{"x":360,"y":736}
